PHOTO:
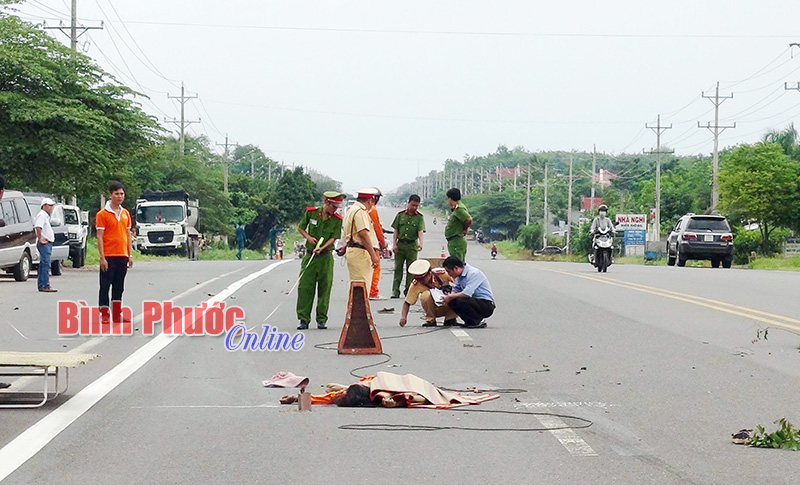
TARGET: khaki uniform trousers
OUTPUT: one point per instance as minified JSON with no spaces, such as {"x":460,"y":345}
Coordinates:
{"x":359,"y":265}
{"x":432,"y":311}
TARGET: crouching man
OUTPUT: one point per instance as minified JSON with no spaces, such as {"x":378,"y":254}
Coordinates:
{"x":426,"y":278}
{"x":471,"y":298}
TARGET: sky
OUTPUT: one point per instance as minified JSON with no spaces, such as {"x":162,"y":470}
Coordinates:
{"x":375,"y":93}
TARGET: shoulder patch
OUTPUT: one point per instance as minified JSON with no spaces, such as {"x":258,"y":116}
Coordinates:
{"x":311,"y":208}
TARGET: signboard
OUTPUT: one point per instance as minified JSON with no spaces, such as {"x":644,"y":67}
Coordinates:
{"x":634,"y":242}
{"x":634,"y":237}
{"x":631,"y":221}
{"x":791,"y":247}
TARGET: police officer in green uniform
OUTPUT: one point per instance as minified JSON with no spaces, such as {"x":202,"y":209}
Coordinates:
{"x":457,"y":226}
{"x":318,"y":224}
{"x":408,"y":228}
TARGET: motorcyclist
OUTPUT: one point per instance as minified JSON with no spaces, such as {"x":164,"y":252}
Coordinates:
{"x":601,"y":221}
{"x":494,"y":250}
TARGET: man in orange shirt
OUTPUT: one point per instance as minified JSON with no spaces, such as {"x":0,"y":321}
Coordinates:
{"x":114,"y":241}
{"x":374,"y":294}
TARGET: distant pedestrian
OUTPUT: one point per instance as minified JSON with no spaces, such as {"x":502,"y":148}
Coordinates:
{"x":114,"y":242}
{"x":472,"y":297}
{"x":44,"y":244}
{"x":241,"y":239}
{"x":273,"y":240}
{"x":408,"y":227}
{"x":457,"y":226}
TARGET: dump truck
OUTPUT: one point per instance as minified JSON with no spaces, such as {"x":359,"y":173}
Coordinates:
{"x":166,"y":222}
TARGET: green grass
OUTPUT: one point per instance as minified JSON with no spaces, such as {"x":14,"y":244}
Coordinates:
{"x":511,"y":250}
{"x":213,"y":254}
{"x":785,"y":264}
{"x":93,"y":255}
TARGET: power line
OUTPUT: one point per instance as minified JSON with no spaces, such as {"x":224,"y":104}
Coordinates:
{"x":154,"y":69}
{"x":466,"y":33}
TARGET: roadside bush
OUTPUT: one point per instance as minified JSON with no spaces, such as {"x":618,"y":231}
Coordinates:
{"x":581,"y":240}
{"x":745,"y":242}
{"x":530,"y":236}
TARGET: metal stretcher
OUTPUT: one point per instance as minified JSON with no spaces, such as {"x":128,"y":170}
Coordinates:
{"x":35,"y":365}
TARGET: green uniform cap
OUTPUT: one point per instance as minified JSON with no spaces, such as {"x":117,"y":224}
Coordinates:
{"x":332,"y":194}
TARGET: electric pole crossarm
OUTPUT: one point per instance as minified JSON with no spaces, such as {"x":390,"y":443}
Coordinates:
{"x":715,"y":129}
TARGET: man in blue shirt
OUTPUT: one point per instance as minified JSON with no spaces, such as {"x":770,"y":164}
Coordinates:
{"x":471,"y":298}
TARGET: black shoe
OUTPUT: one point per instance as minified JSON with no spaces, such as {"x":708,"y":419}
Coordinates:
{"x":394,"y":297}
{"x":4,"y":385}
{"x":321,"y":326}
{"x":451,"y":323}
{"x":429,"y":324}
{"x":303,"y":325}
{"x":475,"y":325}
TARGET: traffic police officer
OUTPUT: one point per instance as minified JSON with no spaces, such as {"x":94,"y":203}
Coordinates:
{"x":325,"y":225}
{"x":457,"y":226}
{"x":360,"y":247}
{"x":408,"y":227}
{"x":426,"y":278}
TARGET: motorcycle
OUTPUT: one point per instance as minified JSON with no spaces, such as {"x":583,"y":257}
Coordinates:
{"x":434,"y":221}
{"x":300,"y":249}
{"x":494,"y":251}
{"x":602,"y":244}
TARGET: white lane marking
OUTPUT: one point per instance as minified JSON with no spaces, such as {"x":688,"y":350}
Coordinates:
{"x":569,"y":404}
{"x":20,"y":383}
{"x":32,"y":440}
{"x":463,"y":337}
{"x":211,"y":406}
{"x":568,"y":438}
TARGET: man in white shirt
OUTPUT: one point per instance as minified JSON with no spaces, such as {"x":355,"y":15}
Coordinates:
{"x":44,"y":243}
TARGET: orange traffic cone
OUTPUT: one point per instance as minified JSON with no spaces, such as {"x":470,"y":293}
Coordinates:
{"x":443,"y":254}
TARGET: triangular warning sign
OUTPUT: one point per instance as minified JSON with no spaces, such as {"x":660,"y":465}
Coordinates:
{"x":359,"y":335}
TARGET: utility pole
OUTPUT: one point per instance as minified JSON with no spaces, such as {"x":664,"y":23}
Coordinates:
{"x":544,"y":231}
{"x":716,"y":100}
{"x":594,"y":170}
{"x":183,"y":123}
{"x":569,"y":202}
{"x":225,"y":160}
{"x":658,"y":129}
{"x":516,"y":169}
{"x":528,"y":198}
{"x":74,"y":28}
{"x":481,"y":183}
{"x":499,"y":179}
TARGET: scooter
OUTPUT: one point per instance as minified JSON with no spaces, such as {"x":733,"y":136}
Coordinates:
{"x":494,"y":251}
{"x":602,"y":244}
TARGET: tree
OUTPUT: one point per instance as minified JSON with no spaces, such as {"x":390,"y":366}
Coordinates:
{"x":66,"y":126}
{"x":759,"y":183}
{"x":498,"y":211}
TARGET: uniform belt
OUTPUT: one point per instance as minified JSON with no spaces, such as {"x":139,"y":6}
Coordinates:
{"x":407,"y":240}
{"x":454,"y":237}
{"x":351,"y":244}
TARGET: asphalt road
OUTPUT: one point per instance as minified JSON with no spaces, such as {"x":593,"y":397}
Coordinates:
{"x":665,"y":362}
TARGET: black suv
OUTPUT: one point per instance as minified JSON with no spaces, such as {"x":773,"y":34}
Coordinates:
{"x":701,"y":237}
